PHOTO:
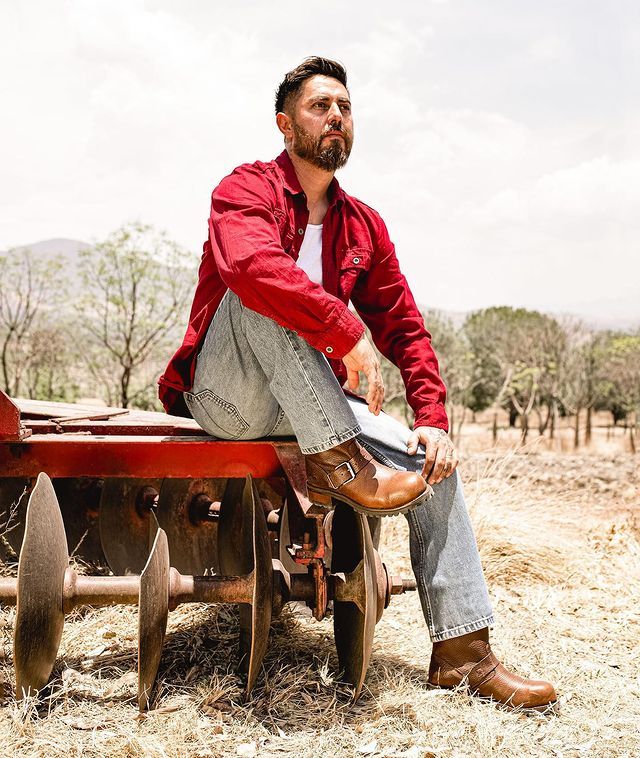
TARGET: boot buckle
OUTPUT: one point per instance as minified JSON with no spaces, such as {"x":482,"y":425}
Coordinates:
{"x":351,"y":470}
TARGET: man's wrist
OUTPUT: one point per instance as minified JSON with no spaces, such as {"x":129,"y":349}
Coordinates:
{"x":433,"y":415}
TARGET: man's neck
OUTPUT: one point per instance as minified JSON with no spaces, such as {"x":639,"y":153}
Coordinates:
{"x":315,"y":183}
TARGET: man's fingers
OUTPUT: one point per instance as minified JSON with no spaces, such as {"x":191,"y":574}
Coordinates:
{"x":451,"y":464}
{"x":438,"y":466}
{"x":375,"y":395}
{"x":353,"y":378}
{"x":430,"y":451}
{"x":412,"y":443}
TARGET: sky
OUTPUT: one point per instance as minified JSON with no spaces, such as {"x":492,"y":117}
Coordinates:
{"x":500,"y":140}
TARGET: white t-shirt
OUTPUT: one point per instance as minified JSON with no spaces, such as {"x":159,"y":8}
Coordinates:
{"x":310,"y":256}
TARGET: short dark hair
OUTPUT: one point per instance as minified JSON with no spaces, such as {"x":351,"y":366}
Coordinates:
{"x":292,"y":83}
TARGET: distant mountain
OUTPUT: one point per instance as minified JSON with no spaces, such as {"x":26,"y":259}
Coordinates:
{"x":69,"y":249}
{"x":65,"y":248}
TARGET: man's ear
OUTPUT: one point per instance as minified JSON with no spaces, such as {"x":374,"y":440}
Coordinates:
{"x":284,"y":124}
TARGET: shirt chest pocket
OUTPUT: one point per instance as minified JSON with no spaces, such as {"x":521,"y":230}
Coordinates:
{"x":355,"y":263}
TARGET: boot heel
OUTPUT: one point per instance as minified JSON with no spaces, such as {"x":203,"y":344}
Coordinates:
{"x":320,"y":498}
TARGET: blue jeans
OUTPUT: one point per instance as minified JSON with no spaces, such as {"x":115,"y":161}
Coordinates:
{"x":256,"y":379}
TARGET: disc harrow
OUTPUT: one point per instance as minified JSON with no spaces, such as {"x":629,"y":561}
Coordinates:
{"x":210,"y":522}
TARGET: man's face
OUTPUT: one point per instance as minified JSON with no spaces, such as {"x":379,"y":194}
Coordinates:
{"x":322,"y":123}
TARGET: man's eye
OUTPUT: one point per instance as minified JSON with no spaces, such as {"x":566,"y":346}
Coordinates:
{"x":320,"y":105}
{"x":345,"y":108}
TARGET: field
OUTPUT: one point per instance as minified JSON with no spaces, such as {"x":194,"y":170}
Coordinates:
{"x":559,"y":536}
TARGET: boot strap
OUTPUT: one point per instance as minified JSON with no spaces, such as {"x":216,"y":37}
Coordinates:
{"x":479,"y":674}
{"x":346,"y":472}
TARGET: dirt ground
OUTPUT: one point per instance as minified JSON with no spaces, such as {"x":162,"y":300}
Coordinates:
{"x":559,"y":536}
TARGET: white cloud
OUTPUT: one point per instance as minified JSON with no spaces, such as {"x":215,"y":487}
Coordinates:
{"x":550,"y":48}
{"x":504,"y":156}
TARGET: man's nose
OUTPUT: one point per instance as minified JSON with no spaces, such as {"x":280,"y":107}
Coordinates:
{"x":335,"y":114}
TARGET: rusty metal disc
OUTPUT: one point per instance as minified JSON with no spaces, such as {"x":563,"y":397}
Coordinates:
{"x":14,"y":496}
{"x":285,"y":541}
{"x":354,"y":621}
{"x":255,"y":620}
{"x":375,"y":528}
{"x":79,"y":500}
{"x":244,"y":548}
{"x":125,"y":523}
{"x":153,"y":610}
{"x":192,"y":540}
{"x":235,"y":531}
{"x":39,"y":616}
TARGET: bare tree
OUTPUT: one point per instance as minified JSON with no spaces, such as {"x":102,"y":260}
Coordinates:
{"x":27,"y":289}
{"x":583,"y":375}
{"x":456,"y":367}
{"x":136,"y":286}
{"x":50,"y":372}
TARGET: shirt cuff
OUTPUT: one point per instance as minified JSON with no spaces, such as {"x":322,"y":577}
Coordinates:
{"x":340,"y":338}
{"x":433,"y":414}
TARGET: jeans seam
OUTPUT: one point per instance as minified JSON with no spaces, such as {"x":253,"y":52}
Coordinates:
{"x":308,"y":383}
{"x":277,"y":424}
{"x":381,"y":457}
{"x":420,"y":578}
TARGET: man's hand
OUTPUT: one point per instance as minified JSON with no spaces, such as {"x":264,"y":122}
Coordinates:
{"x":362,"y":357}
{"x":441,"y":458}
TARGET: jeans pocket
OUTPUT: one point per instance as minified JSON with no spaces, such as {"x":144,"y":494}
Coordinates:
{"x":215,"y":415}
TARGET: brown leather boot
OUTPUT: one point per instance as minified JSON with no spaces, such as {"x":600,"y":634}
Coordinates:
{"x":349,"y":473}
{"x":467,"y":660}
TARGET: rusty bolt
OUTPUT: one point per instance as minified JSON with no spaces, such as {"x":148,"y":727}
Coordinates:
{"x":146,"y":500}
{"x":398,"y":585}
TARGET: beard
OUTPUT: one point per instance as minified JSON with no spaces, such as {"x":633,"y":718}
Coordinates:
{"x":327,"y":154}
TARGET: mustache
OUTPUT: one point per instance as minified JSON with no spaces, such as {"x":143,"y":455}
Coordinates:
{"x":335,"y":128}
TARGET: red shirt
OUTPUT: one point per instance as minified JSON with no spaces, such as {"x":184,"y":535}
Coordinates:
{"x":258,"y":218}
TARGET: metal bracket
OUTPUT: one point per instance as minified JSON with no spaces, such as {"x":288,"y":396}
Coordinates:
{"x":11,"y":428}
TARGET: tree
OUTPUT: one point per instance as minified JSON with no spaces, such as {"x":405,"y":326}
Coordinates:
{"x":512,"y":349}
{"x":50,"y":372}
{"x":28,"y":289}
{"x":620,"y":378}
{"x":456,"y":367}
{"x":582,"y":375}
{"x":136,"y":287}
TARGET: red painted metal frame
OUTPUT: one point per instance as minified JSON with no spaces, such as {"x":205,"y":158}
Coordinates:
{"x":65,"y":455}
{"x":11,"y":428}
{"x":159,"y":449}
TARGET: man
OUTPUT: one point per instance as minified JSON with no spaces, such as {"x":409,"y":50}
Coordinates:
{"x":271,"y":340}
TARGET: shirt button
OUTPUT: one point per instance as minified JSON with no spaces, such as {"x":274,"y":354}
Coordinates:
{"x":329,"y":349}
{"x":356,"y":260}
{"x":301,"y":231}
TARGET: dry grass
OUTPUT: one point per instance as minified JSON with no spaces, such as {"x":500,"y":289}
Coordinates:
{"x":560,"y":541}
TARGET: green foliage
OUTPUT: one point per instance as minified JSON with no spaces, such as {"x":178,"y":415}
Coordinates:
{"x":134,"y":298}
{"x":136,"y":288}
{"x":515,"y":354}
{"x":618,"y":384}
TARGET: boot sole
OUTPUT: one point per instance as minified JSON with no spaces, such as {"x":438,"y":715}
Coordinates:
{"x":550,"y":708}
{"x":324,"y":497}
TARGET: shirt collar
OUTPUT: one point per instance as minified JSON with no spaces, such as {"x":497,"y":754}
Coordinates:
{"x":292,"y":185}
